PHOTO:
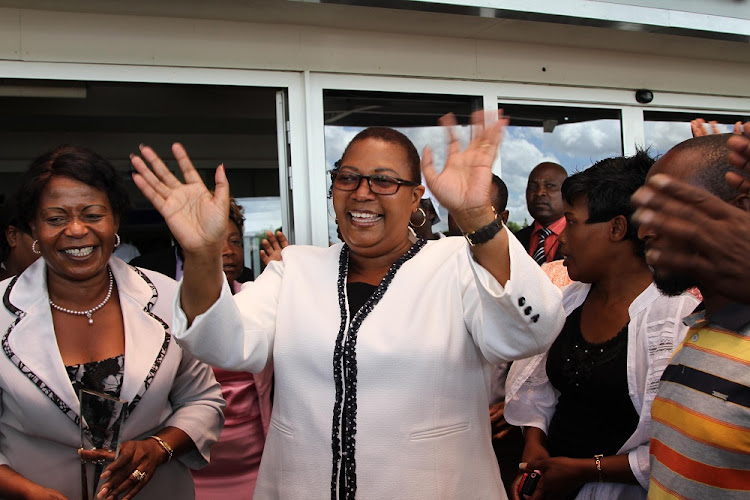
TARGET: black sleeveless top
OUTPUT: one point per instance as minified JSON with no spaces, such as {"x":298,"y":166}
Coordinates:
{"x":594,"y":413}
{"x":357,"y":293}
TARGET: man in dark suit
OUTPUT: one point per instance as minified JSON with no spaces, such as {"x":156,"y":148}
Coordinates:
{"x":545,"y":204}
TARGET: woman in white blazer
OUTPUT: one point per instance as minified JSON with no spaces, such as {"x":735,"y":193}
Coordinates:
{"x":80,"y":318}
{"x":586,"y":404}
{"x":381,"y":346}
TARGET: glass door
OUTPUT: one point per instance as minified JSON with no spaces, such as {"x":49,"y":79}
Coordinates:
{"x":572,"y":136}
{"x":230,"y":124}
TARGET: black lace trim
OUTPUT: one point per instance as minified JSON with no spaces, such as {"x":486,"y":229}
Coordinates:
{"x":70,"y":412}
{"x":67,"y":410}
{"x":580,"y":357}
{"x":345,"y":375}
{"x":162,"y":352}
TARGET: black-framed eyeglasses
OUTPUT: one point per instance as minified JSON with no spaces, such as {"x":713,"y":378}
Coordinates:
{"x":379,"y":184}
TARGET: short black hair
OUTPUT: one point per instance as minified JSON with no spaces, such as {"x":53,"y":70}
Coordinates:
{"x":75,"y":162}
{"x":500,"y":202}
{"x":608,"y":185}
{"x":714,"y":165}
{"x":391,"y":136}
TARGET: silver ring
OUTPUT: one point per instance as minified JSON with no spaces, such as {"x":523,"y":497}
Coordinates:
{"x":138,"y":475}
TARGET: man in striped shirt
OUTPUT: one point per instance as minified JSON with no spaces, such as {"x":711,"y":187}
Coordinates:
{"x":700,"y":446}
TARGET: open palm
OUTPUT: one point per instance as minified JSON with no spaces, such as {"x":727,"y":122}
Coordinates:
{"x":464,"y":185}
{"x":196,"y":217}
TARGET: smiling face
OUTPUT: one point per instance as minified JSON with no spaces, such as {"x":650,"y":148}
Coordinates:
{"x":543,"y":196}
{"x":232,"y":253}
{"x":375,"y":225}
{"x":75,"y":227}
{"x":584,"y":245}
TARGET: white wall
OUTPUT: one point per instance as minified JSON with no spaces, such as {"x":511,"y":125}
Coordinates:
{"x":46,"y":36}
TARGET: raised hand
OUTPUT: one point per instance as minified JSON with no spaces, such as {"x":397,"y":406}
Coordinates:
{"x":464,"y":185}
{"x":196,"y":217}
{"x":273,"y":244}
{"x":707,"y":237}
{"x":740,"y":158}
{"x":698,"y":127}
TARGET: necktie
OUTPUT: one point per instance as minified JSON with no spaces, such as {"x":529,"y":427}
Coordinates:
{"x":539,"y":256}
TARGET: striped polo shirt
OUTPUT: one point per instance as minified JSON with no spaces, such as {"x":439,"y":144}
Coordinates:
{"x":700,"y":435}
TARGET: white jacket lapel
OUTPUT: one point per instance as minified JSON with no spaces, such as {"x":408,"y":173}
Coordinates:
{"x":146,"y":338}
{"x":31,"y":344}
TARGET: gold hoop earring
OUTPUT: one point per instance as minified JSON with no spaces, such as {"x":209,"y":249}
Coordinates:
{"x":424,"y":218}
{"x":34,"y":248}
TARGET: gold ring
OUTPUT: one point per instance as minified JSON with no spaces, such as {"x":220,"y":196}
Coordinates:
{"x":138,"y":475}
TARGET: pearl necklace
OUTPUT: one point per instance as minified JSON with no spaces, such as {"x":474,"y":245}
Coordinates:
{"x":91,"y":311}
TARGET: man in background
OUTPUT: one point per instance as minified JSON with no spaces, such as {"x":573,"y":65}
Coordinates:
{"x":545,"y":204}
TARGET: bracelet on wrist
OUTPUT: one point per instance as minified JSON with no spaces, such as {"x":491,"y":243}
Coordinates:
{"x":598,"y":463}
{"x":164,"y":446}
{"x":486,"y":233}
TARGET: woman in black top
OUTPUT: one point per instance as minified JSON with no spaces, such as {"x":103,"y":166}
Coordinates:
{"x":587,"y":364}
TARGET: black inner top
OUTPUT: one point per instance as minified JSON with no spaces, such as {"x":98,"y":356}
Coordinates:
{"x":594,"y":413}
{"x":358,"y":293}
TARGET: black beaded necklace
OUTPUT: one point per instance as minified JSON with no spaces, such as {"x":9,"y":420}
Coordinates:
{"x":345,"y":375}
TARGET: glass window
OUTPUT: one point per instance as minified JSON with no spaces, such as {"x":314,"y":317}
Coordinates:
{"x":216,"y":123}
{"x":664,"y":129}
{"x":574,"y":137}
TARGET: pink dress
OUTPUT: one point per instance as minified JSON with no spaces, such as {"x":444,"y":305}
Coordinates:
{"x":235,"y":458}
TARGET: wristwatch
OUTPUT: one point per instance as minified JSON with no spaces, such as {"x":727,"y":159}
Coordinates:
{"x":484,"y":234}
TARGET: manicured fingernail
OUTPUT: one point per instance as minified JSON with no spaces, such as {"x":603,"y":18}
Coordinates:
{"x":141,"y":146}
{"x":523,"y":465}
{"x":102,"y":493}
{"x":105,"y":474}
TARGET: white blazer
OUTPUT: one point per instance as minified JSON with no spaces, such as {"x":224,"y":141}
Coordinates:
{"x":39,"y":422}
{"x":654,"y":331}
{"x":423,"y":360}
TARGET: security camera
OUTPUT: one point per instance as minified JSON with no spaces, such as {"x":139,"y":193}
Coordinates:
{"x":644,"y":96}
